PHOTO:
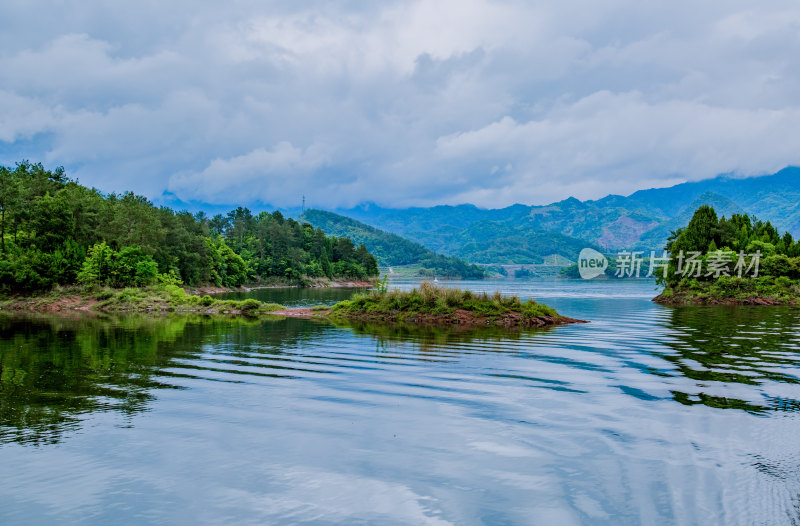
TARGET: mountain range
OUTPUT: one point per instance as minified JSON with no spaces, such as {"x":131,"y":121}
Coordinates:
{"x":391,"y":249}
{"x":641,"y":221}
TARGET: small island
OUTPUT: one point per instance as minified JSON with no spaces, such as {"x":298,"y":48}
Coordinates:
{"x":736,"y":261}
{"x":430,"y":305}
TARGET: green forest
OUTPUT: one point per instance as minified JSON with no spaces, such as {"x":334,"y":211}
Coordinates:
{"x":739,"y":257}
{"x":712,"y":236}
{"x":54,"y":231}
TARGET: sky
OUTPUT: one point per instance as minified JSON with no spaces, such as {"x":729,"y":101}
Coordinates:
{"x":401,"y":103}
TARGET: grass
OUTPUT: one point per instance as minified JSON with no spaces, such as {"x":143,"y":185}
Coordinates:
{"x":439,"y":301}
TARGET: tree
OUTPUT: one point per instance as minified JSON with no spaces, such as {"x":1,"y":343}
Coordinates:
{"x":702,"y":229}
{"x":9,"y":192}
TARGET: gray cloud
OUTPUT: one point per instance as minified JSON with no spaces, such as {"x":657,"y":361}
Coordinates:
{"x":402,"y":103}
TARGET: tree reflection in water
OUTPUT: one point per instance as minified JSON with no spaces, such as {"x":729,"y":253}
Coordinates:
{"x":55,"y":370}
{"x":719,"y":347}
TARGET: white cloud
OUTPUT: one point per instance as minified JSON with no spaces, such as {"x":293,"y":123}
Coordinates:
{"x":404,"y":102}
{"x":278,"y":175}
{"x":624,"y":138}
{"x":22,"y":117}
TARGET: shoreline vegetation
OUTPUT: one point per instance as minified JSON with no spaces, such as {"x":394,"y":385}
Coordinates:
{"x":736,"y":261}
{"x":426,"y":306}
{"x":152,"y":299}
{"x":430,"y":305}
{"x":312,"y":283}
{"x":156,"y":299}
{"x":766,"y":291}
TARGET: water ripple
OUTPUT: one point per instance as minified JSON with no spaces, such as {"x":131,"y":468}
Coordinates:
{"x":645,"y":415}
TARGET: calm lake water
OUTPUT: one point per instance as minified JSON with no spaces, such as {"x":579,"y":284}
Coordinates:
{"x":647,"y":415}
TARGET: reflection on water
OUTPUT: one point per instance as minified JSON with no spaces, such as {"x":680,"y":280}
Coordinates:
{"x":54,"y":369}
{"x":646,"y":415}
{"x":723,"y":347}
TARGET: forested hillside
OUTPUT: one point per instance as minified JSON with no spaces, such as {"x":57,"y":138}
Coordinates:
{"x":56,"y":231}
{"x":642,"y":220}
{"x":391,"y":249}
{"x":506,"y":243}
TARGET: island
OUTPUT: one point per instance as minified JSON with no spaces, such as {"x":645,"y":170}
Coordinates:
{"x":430,"y":305}
{"x":735,"y":261}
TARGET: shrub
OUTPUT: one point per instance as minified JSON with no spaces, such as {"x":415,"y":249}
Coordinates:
{"x":207,"y":301}
{"x":192,"y":299}
{"x":428,"y":292}
{"x":731,"y":284}
{"x":249,"y":304}
{"x":382,"y":285}
{"x":175,"y":292}
{"x":766,"y":249}
{"x":128,"y":295}
{"x":777,"y":265}
{"x":170,"y":278}
{"x":130,"y":266}
{"x":104,"y":295}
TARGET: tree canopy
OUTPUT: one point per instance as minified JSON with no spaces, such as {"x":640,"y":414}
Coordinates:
{"x":55,"y":231}
{"x":727,"y":240}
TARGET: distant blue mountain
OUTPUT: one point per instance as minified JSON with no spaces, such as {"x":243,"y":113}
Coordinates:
{"x":641,"y":220}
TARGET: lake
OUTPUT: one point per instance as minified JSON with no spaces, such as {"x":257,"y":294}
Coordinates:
{"x":646,"y":415}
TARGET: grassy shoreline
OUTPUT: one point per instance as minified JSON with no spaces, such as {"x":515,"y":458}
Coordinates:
{"x":158,"y":298}
{"x":155,"y":299}
{"x":426,"y":306}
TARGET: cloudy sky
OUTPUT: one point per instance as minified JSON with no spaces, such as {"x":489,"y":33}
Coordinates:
{"x":399,"y":102}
